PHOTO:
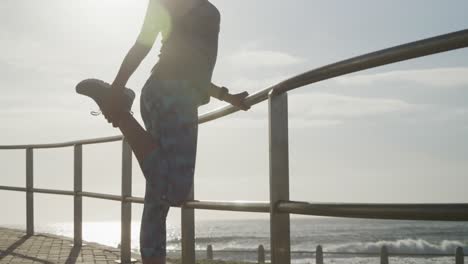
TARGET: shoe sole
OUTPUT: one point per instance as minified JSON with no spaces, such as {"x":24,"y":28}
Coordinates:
{"x":97,"y":89}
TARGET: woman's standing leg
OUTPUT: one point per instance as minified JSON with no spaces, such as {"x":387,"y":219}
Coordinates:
{"x":169,"y":111}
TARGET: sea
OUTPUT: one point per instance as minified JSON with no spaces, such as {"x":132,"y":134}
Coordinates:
{"x":239,"y":239}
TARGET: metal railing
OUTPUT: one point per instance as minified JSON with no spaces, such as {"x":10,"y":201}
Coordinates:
{"x":279,"y":206}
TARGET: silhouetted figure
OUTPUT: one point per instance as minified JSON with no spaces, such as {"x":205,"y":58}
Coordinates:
{"x":180,"y":82}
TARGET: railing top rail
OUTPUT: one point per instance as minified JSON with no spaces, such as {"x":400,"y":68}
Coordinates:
{"x":65,"y":144}
{"x":421,"y":211}
{"x":438,"y":44}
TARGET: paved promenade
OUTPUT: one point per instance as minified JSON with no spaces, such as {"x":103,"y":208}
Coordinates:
{"x":17,"y":247}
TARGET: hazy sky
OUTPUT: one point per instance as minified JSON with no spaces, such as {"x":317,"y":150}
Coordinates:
{"x":392,"y":134}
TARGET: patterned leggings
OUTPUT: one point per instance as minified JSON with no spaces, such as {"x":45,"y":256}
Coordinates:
{"x":169,"y":109}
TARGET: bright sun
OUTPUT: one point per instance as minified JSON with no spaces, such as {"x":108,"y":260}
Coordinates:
{"x":111,"y":10}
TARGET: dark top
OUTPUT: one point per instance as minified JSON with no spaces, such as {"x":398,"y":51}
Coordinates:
{"x":190,"y":49}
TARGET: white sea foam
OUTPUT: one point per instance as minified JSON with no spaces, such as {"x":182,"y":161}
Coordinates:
{"x":402,"y":246}
{"x":374,"y":260}
{"x":335,"y":235}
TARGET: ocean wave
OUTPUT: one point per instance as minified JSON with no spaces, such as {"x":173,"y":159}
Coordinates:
{"x":401,"y":246}
{"x":221,"y":239}
{"x":409,"y":245}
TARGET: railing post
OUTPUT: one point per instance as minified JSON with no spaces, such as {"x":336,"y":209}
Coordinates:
{"x":319,"y":255}
{"x":29,"y":192}
{"x":279,"y":177}
{"x":459,"y":256}
{"x":77,"y":199}
{"x":188,"y":233}
{"x":261,"y":254}
{"x":209,"y":252}
{"x":126,"y":212}
{"x":383,"y":255}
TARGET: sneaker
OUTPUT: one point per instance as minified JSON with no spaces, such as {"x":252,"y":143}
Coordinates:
{"x":98,"y":90}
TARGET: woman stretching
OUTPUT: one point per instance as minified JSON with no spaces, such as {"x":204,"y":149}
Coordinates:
{"x":180,"y":82}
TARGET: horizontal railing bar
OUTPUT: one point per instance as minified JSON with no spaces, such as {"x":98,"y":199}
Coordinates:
{"x":262,"y":207}
{"x":438,"y":44}
{"x":101,"y":196}
{"x":431,"y":212}
{"x":12,"y":188}
{"x":134,"y":200}
{"x":416,"y":49}
{"x":256,"y":207}
{"x":65,"y":144}
{"x":49,"y":191}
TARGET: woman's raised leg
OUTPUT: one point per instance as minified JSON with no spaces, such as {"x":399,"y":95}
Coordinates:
{"x":140,"y":140}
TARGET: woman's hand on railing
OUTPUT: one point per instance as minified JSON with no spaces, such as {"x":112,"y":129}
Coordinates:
{"x":237,"y":100}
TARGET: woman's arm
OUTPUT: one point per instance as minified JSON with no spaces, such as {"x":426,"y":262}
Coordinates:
{"x":130,"y":63}
{"x":155,"y":17}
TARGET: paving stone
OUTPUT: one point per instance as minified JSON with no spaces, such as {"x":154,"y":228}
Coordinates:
{"x":16,"y":247}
